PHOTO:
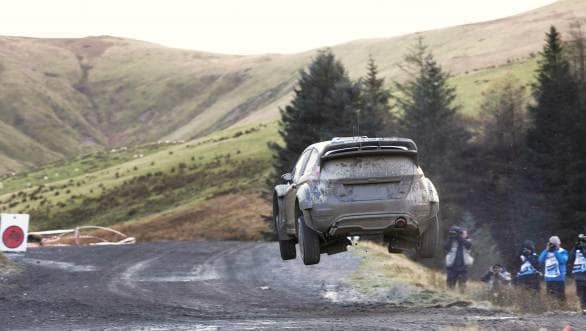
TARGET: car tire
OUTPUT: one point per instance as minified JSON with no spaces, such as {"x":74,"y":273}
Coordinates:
{"x":428,"y":240}
{"x":309,"y":247}
{"x":286,"y":246}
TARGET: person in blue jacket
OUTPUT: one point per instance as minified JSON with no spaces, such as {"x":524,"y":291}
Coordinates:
{"x":578,"y":258}
{"x":554,"y":259}
{"x":528,"y":276}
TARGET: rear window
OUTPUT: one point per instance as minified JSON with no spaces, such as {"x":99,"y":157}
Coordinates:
{"x":368,"y":167}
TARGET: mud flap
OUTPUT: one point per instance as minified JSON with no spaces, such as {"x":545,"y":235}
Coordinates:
{"x":335,"y":246}
{"x":399,"y":245}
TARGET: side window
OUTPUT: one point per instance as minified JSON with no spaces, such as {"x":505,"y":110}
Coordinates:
{"x":311,"y":162}
{"x":300,"y":165}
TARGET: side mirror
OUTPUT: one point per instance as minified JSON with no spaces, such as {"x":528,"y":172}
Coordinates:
{"x":288,"y":177}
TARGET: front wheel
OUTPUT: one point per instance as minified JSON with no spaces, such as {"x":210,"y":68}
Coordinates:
{"x":309,"y":247}
{"x":428,"y":240}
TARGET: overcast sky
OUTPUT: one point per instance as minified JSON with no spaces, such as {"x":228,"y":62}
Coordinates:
{"x":247,"y":26}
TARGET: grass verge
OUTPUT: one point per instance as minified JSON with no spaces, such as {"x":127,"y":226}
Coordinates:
{"x":394,"y":278}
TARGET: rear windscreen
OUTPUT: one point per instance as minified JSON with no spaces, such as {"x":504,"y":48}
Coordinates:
{"x":367,"y":167}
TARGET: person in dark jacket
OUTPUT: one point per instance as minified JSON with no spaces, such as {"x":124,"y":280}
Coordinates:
{"x":528,"y":276}
{"x":554,"y":260}
{"x":578,"y":263}
{"x":458,"y":257}
{"x":499,"y":283}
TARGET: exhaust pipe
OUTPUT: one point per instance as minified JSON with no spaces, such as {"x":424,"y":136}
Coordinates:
{"x":400,"y":222}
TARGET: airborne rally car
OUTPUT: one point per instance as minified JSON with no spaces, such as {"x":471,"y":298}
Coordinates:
{"x":355,"y":186}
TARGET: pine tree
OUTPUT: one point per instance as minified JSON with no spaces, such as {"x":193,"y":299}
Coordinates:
{"x":555,"y":93}
{"x":555,"y":125}
{"x":324,"y":106}
{"x":375,"y":117}
{"x":574,"y":199}
{"x":504,"y":116}
{"x":430,"y":115}
{"x":498,"y":164}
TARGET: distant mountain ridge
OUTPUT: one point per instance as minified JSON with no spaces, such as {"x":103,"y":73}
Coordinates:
{"x":61,"y":97}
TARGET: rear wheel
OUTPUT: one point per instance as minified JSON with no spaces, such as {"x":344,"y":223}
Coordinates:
{"x":428,"y":240}
{"x":308,"y":243}
{"x":286,"y":246}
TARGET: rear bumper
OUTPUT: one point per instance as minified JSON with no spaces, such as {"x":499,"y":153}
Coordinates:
{"x":373,"y":223}
{"x":395,"y":217}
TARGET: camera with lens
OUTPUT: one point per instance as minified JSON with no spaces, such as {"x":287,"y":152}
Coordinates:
{"x":455,"y":232}
{"x":581,"y":242}
{"x":526,"y":251}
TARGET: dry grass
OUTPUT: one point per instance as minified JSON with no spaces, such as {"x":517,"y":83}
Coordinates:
{"x":524,"y":301}
{"x":227,"y":217}
{"x":396,"y":278}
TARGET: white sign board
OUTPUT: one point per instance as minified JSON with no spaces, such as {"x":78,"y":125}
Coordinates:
{"x":13,"y":232}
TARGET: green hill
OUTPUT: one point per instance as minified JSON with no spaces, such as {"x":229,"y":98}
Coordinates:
{"x":63,"y":97}
{"x":204,"y":181}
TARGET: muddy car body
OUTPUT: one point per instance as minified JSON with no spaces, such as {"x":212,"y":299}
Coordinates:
{"x":354,"y":187}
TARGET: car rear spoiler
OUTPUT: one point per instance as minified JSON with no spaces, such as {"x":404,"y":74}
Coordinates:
{"x":380,"y":147}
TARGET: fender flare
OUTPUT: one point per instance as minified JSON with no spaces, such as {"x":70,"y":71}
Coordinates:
{"x":304,"y":198}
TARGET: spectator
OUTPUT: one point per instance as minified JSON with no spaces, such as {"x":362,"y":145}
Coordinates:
{"x":497,"y":277}
{"x":499,"y":280}
{"x":458,"y":257}
{"x":528,"y":275}
{"x":578,"y":257}
{"x":554,"y":259}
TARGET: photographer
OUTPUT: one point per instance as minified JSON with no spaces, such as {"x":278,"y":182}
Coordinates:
{"x":578,"y":257}
{"x":554,"y":259}
{"x":528,"y":275}
{"x":458,"y":257}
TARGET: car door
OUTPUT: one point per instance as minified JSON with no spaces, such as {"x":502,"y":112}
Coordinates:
{"x":291,"y":193}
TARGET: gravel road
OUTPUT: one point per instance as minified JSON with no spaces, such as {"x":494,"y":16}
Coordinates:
{"x":215,"y":286}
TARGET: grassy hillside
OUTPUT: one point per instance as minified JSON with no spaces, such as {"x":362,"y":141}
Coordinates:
{"x":207,"y":188}
{"x":64,"y":97}
{"x":150,"y":191}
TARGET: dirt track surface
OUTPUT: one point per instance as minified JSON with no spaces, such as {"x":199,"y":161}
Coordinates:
{"x":215,"y":286}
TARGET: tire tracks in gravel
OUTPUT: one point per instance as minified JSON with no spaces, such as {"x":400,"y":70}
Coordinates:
{"x":244,"y":279}
{"x":211,"y":285}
